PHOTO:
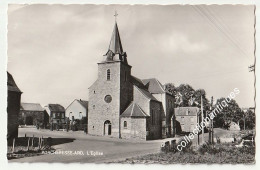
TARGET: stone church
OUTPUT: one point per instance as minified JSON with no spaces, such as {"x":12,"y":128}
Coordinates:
{"x":123,"y":106}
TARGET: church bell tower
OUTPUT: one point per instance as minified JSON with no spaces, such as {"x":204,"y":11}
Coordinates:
{"x":112,"y":91}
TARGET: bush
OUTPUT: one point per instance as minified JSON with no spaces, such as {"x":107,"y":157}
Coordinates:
{"x":188,"y":147}
{"x":247,"y":150}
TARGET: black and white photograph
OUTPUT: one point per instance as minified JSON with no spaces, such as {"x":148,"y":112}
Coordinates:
{"x":131,"y":84}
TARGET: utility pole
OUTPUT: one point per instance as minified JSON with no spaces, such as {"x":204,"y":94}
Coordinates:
{"x":251,"y":69}
{"x":211,"y":139}
{"x":198,"y":119}
{"x":202,"y":117}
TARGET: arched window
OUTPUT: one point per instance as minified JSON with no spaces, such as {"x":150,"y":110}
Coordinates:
{"x":125,"y":124}
{"x":108,"y":74}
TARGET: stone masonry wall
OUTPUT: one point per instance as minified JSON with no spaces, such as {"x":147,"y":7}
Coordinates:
{"x":135,"y":130}
{"x":155,"y":128}
{"x":169,"y":103}
{"x":99,"y":110}
{"x":126,"y":87}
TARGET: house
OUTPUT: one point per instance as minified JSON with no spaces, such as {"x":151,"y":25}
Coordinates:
{"x":13,"y":107}
{"x":77,"y":109}
{"x":186,"y":118}
{"x":56,"y":113}
{"x":31,"y":114}
{"x":124,"y":106}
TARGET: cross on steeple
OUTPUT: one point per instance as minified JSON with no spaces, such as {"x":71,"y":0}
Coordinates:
{"x":115,"y":50}
{"x":115,"y":15}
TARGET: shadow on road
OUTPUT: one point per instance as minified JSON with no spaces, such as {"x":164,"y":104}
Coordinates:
{"x":23,"y":141}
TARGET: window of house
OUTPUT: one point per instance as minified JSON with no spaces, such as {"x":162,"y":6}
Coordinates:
{"x":62,"y":115}
{"x":187,"y":112}
{"x":125,"y":124}
{"x":58,"y":114}
{"x":54,"y":115}
{"x":108,"y":74}
{"x":94,"y":92}
{"x":80,"y":114}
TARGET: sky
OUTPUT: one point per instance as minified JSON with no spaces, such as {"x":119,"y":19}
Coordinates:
{"x":53,"y":50}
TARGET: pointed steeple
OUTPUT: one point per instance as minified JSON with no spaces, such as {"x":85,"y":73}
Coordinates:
{"x":115,"y":45}
{"x":115,"y":50}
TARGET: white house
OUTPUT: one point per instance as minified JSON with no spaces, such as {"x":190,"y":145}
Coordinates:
{"x":77,"y":109}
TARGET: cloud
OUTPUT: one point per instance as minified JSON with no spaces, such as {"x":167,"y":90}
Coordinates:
{"x":53,"y":49}
{"x":180,"y":42}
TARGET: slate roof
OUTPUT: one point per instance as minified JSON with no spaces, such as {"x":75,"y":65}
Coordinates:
{"x":115,"y":45}
{"x":182,"y":111}
{"x":147,"y":94}
{"x":154,"y":86}
{"x":84,"y":103}
{"x":142,"y":88}
{"x":56,"y":108}
{"x":138,"y":82}
{"x":11,"y":85}
{"x":31,"y":107}
{"x":134,"y":110}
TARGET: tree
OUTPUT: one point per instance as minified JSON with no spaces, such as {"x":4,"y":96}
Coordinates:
{"x":169,"y":87}
{"x":230,"y":113}
{"x":186,"y":91}
{"x":197,"y":95}
{"x":186,"y":96}
{"x":249,"y":119}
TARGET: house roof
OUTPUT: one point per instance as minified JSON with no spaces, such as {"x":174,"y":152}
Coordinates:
{"x":186,"y":111}
{"x":84,"y":103}
{"x":134,"y":110}
{"x":154,"y":86}
{"x":31,"y":107}
{"x":56,"y":108}
{"x":11,"y":85}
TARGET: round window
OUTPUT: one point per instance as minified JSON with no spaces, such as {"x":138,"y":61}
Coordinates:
{"x":108,"y":98}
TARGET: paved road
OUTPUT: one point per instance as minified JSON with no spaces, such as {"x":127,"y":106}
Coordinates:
{"x":111,"y":148}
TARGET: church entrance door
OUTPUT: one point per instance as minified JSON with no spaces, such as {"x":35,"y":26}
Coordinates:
{"x":107,"y":128}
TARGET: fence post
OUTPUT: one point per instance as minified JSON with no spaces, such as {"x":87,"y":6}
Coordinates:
{"x":13,"y":145}
{"x":42,"y":142}
{"x":32,"y":141}
{"x":39,"y":143}
{"x":28,"y":144}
